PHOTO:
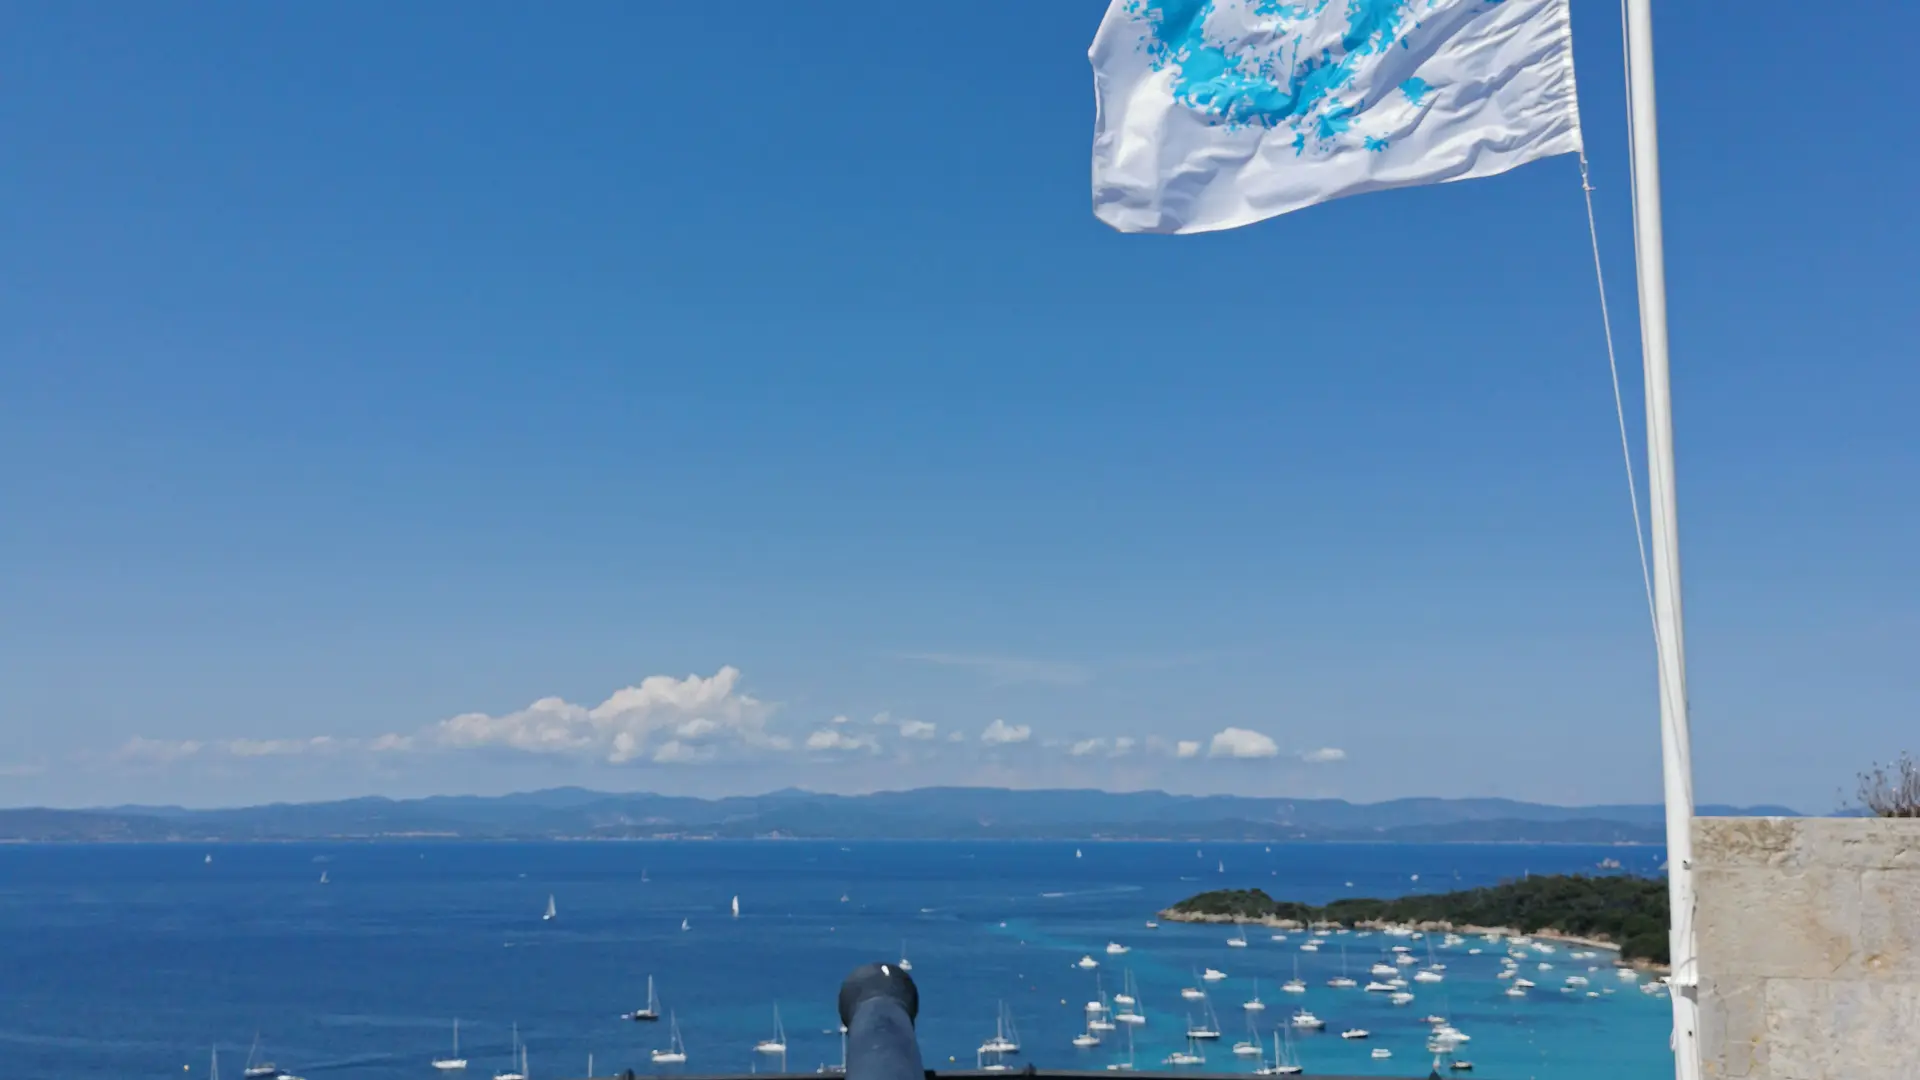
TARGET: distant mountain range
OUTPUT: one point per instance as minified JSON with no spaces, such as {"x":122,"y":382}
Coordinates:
{"x":921,"y":814}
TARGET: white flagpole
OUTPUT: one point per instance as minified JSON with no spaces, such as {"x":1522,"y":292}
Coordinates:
{"x":1675,"y":742}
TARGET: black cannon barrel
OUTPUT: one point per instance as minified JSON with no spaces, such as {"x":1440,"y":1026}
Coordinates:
{"x":878,"y":1004}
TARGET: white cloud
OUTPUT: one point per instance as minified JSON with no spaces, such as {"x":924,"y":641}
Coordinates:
{"x":1236,"y":742}
{"x":1008,"y":670}
{"x":1001,"y":733}
{"x":837,"y":739}
{"x":918,"y":729}
{"x":319,"y":744}
{"x":1119,"y":746}
{"x":956,"y":737}
{"x":1186,"y":749}
{"x":22,"y":769}
{"x":663,"y":719}
{"x":839,"y":720}
{"x":159,"y":751}
{"x":675,"y":752}
{"x":1323,"y":755}
{"x":391,"y":744}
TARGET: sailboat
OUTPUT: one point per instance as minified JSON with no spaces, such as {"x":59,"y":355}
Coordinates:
{"x":1129,"y":1002}
{"x":1127,"y":1065}
{"x":1254,"y":1004}
{"x":213,"y":1070}
{"x":1239,"y":938}
{"x":676,"y":1051}
{"x":905,"y":964}
{"x":265,"y":1070}
{"x":1295,"y":985}
{"x":454,"y":1061}
{"x":777,"y":1044}
{"x":551,"y":910}
{"x":1209,"y":1029}
{"x":1342,"y":980}
{"x":1190,"y":1056}
{"x":736,"y":907}
{"x":1003,"y":1041}
{"x":652,"y":1010}
{"x":323,"y":877}
{"x":1099,"y":1019}
{"x":516,"y":1060}
{"x":1249,"y":1046}
{"x":684,"y":926}
{"x":1285,"y":1061}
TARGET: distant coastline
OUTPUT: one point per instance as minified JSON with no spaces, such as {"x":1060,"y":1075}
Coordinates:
{"x":573,"y":814}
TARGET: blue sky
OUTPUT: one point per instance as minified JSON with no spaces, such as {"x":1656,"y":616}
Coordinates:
{"x":367,"y":368}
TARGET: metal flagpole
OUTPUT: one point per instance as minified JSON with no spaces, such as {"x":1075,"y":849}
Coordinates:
{"x":1675,"y":742}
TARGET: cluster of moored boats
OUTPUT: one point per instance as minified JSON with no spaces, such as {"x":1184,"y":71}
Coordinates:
{"x":1393,"y":975}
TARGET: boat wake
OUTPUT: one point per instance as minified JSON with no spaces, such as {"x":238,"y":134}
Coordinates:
{"x":1105,"y":890}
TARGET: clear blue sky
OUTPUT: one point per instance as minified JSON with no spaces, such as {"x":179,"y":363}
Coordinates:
{"x":366,"y":366}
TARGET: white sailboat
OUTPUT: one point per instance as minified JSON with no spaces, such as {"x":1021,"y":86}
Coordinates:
{"x":213,"y":1069}
{"x":676,"y":1051}
{"x":1207,"y":1029}
{"x":777,"y":1044}
{"x":454,"y":1060}
{"x":1249,"y":1046}
{"x":1295,"y":985}
{"x":323,"y":877}
{"x":1190,"y":1056}
{"x":265,"y":1070}
{"x":684,"y":926}
{"x":1342,"y":981}
{"x":1127,"y":1065}
{"x":516,"y":1063}
{"x":736,"y":907}
{"x":905,"y":964}
{"x":551,"y":910}
{"x":1004,"y":1040}
{"x":1285,"y":1063}
{"x":1254,"y":1004}
{"x":652,"y":1009}
{"x":1239,"y":938}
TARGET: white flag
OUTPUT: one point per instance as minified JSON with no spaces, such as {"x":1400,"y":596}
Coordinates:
{"x":1219,"y":113}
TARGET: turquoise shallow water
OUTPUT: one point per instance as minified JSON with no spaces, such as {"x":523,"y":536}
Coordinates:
{"x":134,"y":961}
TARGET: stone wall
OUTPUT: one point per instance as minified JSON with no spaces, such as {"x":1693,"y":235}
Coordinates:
{"x":1809,"y":933}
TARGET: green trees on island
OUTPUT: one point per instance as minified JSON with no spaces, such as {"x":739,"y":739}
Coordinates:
{"x":1631,"y":912}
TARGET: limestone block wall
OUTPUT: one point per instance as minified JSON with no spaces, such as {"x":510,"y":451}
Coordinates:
{"x":1809,"y":932}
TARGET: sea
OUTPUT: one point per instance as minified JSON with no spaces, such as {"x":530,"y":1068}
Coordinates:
{"x":143,"y":960}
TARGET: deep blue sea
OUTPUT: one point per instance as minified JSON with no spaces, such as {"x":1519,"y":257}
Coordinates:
{"x":134,"y":961}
